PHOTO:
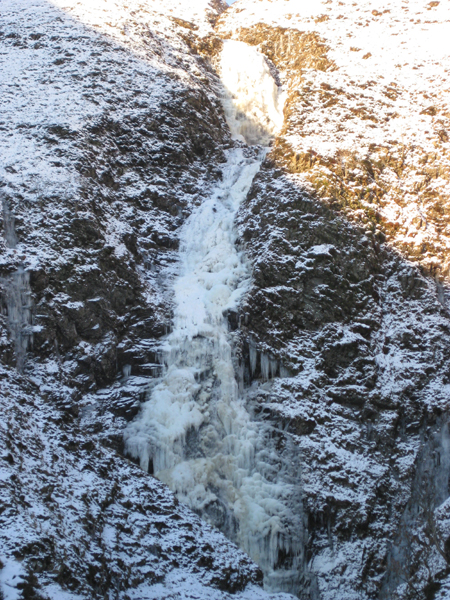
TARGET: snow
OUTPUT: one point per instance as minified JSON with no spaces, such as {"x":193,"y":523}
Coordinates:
{"x":73,"y":506}
{"x":110,"y":16}
{"x":11,"y":576}
{"x":388,"y":39}
{"x":359,"y":467}
{"x":180,"y":586}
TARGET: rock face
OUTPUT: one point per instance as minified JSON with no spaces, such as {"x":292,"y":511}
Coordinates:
{"x":337,"y":298}
{"x":112,"y":133}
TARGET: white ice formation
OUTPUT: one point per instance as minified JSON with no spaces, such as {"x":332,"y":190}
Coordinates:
{"x":254,"y":102}
{"x":195,"y":432}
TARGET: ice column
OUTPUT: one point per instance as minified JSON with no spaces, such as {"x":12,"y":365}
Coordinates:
{"x":17,"y":294}
{"x":19,"y":304}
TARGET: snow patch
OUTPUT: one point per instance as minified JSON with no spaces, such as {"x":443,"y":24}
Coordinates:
{"x":11,"y":575}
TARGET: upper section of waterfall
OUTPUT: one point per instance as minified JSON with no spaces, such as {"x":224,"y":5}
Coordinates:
{"x":253,"y":102}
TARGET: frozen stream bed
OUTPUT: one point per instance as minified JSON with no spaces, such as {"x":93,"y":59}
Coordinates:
{"x":195,"y":432}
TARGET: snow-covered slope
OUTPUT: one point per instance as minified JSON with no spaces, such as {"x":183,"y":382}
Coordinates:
{"x":368,"y":115}
{"x":362,"y":332}
{"x":120,"y":147}
{"x":112,"y":131}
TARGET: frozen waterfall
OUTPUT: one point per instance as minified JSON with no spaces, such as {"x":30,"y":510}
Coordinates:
{"x":195,"y":432}
{"x":253,"y":103}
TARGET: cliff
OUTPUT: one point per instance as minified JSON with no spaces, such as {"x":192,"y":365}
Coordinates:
{"x":299,"y":404}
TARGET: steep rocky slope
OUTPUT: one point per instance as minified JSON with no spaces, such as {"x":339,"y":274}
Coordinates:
{"x":112,"y":131}
{"x":353,"y":195}
{"x":94,"y":122}
{"x":112,"y":135}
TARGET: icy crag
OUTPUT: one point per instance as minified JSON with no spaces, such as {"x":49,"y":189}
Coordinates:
{"x":194,"y":431}
{"x":116,"y":134}
{"x":350,"y":199}
{"x":111,"y":133}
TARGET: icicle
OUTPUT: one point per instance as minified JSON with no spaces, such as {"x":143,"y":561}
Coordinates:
{"x":265,"y":366}
{"x":273,"y":364}
{"x":253,"y":359}
{"x":19,"y":304}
